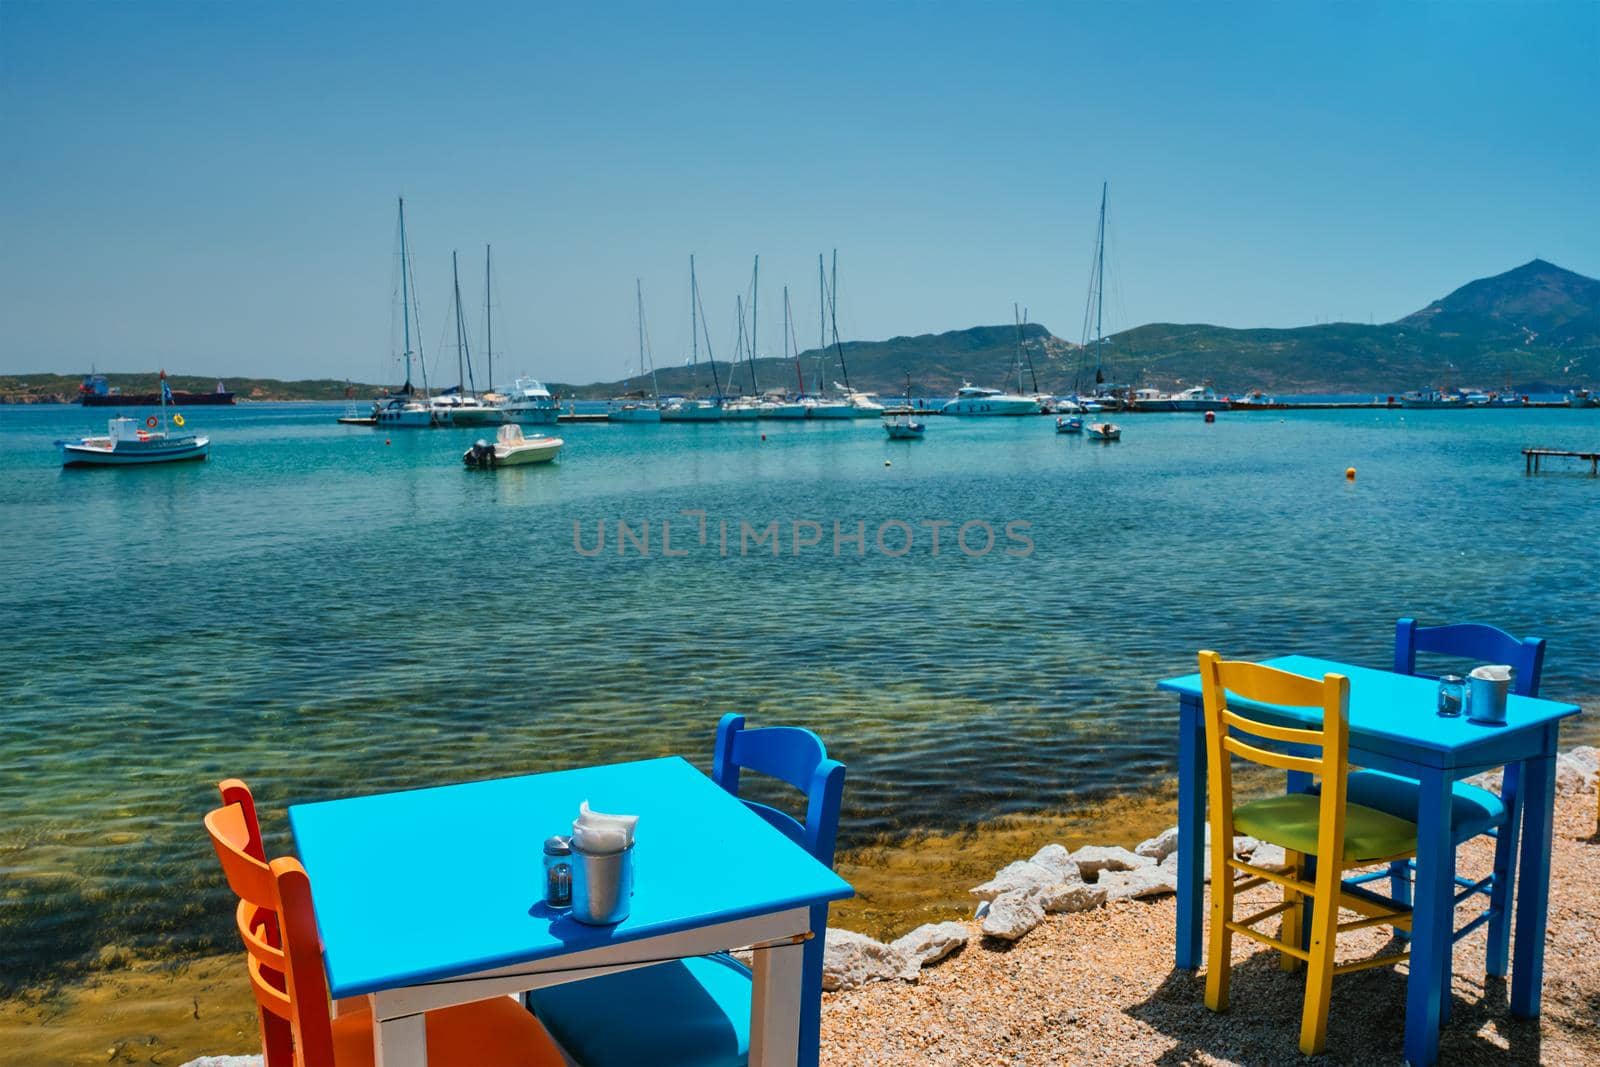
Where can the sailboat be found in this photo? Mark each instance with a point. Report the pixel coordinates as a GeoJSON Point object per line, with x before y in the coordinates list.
{"type": "Point", "coordinates": [820, 406]}
{"type": "Point", "coordinates": [1104, 397]}
{"type": "Point", "coordinates": [632, 411]}
{"type": "Point", "coordinates": [903, 427]}
{"type": "Point", "coordinates": [1045, 401]}
{"type": "Point", "coordinates": [127, 443]}
{"type": "Point", "coordinates": [463, 406]}
{"type": "Point", "coordinates": [746, 407]}
{"type": "Point", "coordinates": [784, 407]}
{"type": "Point", "coordinates": [692, 409]}
{"type": "Point", "coordinates": [404, 408]}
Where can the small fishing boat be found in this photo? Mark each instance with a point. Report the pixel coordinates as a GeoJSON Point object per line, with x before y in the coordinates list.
{"type": "Point", "coordinates": [511, 449]}
{"type": "Point", "coordinates": [904, 428]}
{"type": "Point", "coordinates": [126, 443]}
{"type": "Point", "coordinates": [1104, 431]}
{"type": "Point", "coordinates": [1069, 424]}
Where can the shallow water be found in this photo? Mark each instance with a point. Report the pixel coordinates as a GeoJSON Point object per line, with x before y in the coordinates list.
{"type": "Point", "coordinates": [324, 610]}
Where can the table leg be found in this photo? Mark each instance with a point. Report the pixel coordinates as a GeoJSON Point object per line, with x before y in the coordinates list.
{"type": "Point", "coordinates": [400, 1042]}
{"type": "Point", "coordinates": [1501, 895]}
{"type": "Point", "coordinates": [1538, 787]}
{"type": "Point", "coordinates": [1432, 915]}
{"type": "Point", "coordinates": [775, 1006]}
{"type": "Point", "coordinates": [1191, 832]}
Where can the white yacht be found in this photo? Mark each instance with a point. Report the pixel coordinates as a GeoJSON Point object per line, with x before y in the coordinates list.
{"type": "Point", "coordinates": [976, 400]}
{"type": "Point", "coordinates": [784, 409]}
{"type": "Point", "coordinates": [744, 407]}
{"type": "Point", "coordinates": [824, 408]}
{"type": "Point", "coordinates": [530, 404]}
{"type": "Point", "coordinates": [403, 411]}
{"type": "Point", "coordinates": [863, 405]}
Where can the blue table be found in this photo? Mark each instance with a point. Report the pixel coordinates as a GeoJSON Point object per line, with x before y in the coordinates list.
{"type": "Point", "coordinates": [1393, 727]}
{"type": "Point", "coordinates": [434, 897]}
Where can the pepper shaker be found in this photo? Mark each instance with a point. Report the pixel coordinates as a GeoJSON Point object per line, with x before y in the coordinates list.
{"type": "Point", "coordinates": [558, 871]}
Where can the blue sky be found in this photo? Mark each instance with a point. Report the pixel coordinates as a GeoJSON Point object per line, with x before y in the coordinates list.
{"type": "Point", "coordinates": [212, 187]}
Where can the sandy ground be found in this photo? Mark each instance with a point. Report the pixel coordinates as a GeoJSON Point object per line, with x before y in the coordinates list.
{"type": "Point", "coordinates": [1100, 987]}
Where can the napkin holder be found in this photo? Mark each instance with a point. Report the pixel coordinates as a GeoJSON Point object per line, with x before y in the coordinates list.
{"type": "Point", "coordinates": [1487, 690]}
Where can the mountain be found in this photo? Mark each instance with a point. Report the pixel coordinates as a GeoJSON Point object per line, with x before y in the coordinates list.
{"type": "Point", "coordinates": [1533, 327]}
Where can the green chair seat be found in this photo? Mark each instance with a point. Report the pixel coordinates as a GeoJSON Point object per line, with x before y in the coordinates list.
{"type": "Point", "coordinates": [1291, 822]}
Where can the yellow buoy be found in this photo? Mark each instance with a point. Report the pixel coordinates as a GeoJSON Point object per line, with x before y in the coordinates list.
{"type": "Point", "coordinates": [178, 419]}
{"type": "Point", "coordinates": [1349, 474]}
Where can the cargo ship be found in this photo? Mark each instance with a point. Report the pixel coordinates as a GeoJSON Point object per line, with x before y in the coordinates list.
{"type": "Point", "coordinates": [96, 393]}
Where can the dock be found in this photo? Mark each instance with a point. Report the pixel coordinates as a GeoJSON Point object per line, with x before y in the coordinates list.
{"type": "Point", "coordinates": [1532, 456]}
{"type": "Point", "coordinates": [573, 416]}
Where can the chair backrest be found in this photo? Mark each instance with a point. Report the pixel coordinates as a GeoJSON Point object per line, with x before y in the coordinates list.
{"type": "Point", "coordinates": [794, 755]}
{"type": "Point", "coordinates": [1475, 641]}
{"type": "Point", "coordinates": [1258, 684]}
{"type": "Point", "coordinates": [278, 926]}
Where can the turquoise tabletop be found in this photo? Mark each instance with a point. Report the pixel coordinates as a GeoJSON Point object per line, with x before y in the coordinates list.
{"type": "Point", "coordinates": [1400, 708]}
{"type": "Point", "coordinates": [425, 884]}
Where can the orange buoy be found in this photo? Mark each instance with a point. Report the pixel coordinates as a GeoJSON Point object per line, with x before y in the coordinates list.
{"type": "Point", "coordinates": [1349, 474]}
{"type": "Point", "coordinates": [385, 440]}
{"type": "Point", "coordinates": [151, 422]}
{"type": "Point", "coordinates": [1211, 416]}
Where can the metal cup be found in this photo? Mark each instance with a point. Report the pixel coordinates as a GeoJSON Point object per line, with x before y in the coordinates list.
{"type": "Point", "coordinates": [602, 886]}
{"type": "Point", "coordinates": [1486, 699]}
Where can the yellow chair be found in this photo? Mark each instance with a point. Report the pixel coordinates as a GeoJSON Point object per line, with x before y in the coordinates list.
{"type": "Point", "coordinates": [1326, 828]}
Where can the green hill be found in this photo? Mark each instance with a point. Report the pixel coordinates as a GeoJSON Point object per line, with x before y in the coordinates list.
{"type": "Point", "coordinates": [1535, 326]}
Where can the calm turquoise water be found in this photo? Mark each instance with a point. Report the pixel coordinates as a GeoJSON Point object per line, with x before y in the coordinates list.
{"type": "Point", "coordinates": [321, 611]}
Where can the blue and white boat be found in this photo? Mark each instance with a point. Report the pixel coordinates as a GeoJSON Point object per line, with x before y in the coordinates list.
{"type": "Point", "coordinates": [127, 443]}
{"type": "Point", "coordinates": [1069, 424]}
{"type": "Point", "coordinates": [975, 400]}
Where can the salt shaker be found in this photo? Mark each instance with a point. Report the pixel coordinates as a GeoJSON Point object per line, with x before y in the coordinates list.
{"type": "Point", "coordinates": [558, 871]}
{"type": "Point", "coordinates": [1452, 694]}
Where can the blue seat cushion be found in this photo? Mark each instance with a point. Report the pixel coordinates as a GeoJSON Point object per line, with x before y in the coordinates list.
{"type": "Point", "coordinates": [1473, 811]}
{"type": "Point", "coordinates": [688, 1013]}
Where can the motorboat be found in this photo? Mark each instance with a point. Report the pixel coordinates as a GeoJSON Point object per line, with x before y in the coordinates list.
{"type": "Point", "coordinates": [1068, 406]}
{"type": "Point", "coordinates": [862, 405]}
{"type": "Point", "coordinates": [530, 404]}
{"type": "Point", "coordinates": [511, 449]}
{"type": "Point", "coordinates": [1432, 398]}
{"type": "Point", "coordinates": [1199, 398]}
{"type": "Point", "coordinates": [127, 443]}
{"type": "Point", "coordinates": [976, 400]}
{"type": "Point", "coordinates": [1069, 424]}
{"type": "Point", "coordinates": [1103, 431]}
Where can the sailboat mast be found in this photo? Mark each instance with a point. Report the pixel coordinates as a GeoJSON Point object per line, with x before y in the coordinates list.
{"type": "Point", "coordinates": [655, 386]}
{"type": "Point", "coordinates": [461, 359]}
{"type": "Point", "coordinates": [1031, 372]}
{"type": "Point", "coordinates": [1100, 290]}
{"type": "Point", "coordinates": [694, 320]}
{"type": "Point", "coordinates": [700, 314]}
{"type": "Point", "coordinates": [822, 324]}
{"type": "Point", "coordinates": [405, 294]}
{"type": "Point", "coordinates": [738, 314]}
{"type": "Point", "coordinates": [755, 300]}
{"type": "Point", "coordinates": [488, 318]}
{"type": "Point", "coordinates": [1016, 317]}
{"type": "Point", "coordinates": [788, 332]}
{"type": "Point", "coordinates": [833, 308]}
{"type": "Point", "coordinates": [163, 402]}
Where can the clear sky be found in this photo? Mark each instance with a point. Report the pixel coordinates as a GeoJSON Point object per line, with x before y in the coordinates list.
{"type": "Point", "coordinates": [211, 187]}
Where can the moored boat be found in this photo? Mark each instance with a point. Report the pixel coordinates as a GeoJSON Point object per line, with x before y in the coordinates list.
{"type": "Point", "coordinates": [976, 400]}
{"type": "Point", "coordinates": [127, 443]}
{"type": "Point", "coordinates": [1103, 431]}
{"type": "Point", "coordinates": [530, 404]}
{"type": "Point", "coordinates": [95, 392]}
{"type": "Point", "coordinates": [511, 449]}
{"type": "Point", "coordinates": [1069, 424]}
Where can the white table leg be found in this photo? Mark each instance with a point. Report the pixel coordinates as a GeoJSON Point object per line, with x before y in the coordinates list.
{"type": "Point", "coordinates": [774, 1006]}
{"type": "Point", "coordinates": [400, 1042]}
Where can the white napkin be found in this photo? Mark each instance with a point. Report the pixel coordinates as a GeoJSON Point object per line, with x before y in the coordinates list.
{"type": "Point", "coordinates": [599, 834]}
{"type": "Point", "coordinates": [1493, 672]}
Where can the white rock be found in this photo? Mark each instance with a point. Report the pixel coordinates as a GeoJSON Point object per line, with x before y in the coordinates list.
{"type": "Point", "coordinates": [1142, 882]}
{"type": "Point", "coordinates": [932, 942]}
{"type": "Point", "coordinates": [1093, 859]}
{"type": "Point", "coordinates": [1267, 854]}
{"type": "Point", "coordinates": [1587, 759]}
{"type": "Point", "coordinates": [850, 959]}
{"type": "Point", "coordinates": [1022, 875]}
{"type": "Point", "coordinates": [1072, 896]}
{"type": "Point", "coordinates": [1011, 915]}
{"type": "Point", "coordinates": [1058, 859]}
{"type": "Point", "coordinates": [1571, 778]}
{"type": "Point", "coordinates": [1160, 846]}
{"type": "Point", "coordinates": [1244, 845]}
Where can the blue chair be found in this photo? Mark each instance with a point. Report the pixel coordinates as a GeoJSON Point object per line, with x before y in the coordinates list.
{"type": "Point", "coordinates": [696, 1012]}
{"type": "Point", "coordinates": [1474, 811]}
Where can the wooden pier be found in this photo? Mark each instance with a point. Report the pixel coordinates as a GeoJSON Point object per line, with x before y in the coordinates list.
{"type": "Point", "coordinates": [1532, 456]}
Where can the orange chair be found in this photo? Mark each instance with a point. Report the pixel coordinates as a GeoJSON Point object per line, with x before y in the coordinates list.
{"type": "Point", "coordinates": [279, 928]}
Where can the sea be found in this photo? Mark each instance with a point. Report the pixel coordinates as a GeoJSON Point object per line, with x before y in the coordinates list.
{"type": "Point", "coordinates": [974, 623]}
